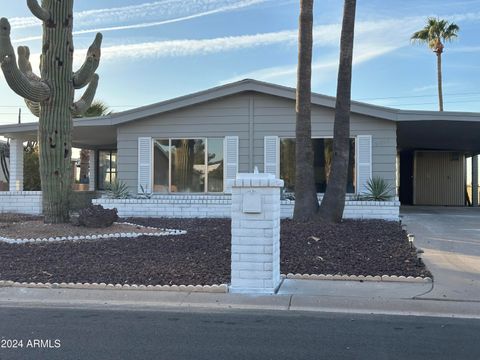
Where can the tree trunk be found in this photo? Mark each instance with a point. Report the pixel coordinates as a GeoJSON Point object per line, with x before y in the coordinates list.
{"type": "Point", "coordinates": [306, 203]}
{"type": "Point", "coordinates": [439, 77]}
{"type": "Point", "coordinates": [333, 203]}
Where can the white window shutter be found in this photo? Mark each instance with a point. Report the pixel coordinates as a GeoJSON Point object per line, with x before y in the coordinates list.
{"type": "Point", "coordinates": [231, 161]}
{"type": "Point", "coordinates": [145, 151]}
{"type": "Point", "coordinates": [271, 155]}
{"type": "Point", "coordinates": [364, 162]}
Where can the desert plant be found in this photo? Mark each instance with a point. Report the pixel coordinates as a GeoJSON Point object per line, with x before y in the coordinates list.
{"type": "Point", "coordinates": [50, 96]}
{"type": "Point", "coordinates": [377, 190]}
{"type": "Point", "coordinates": [118, 190]}
{"type": "Point", "coordinates": [144, 194]}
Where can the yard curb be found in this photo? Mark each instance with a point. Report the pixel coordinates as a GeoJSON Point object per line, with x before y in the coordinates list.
{"type": "Point", "coordinates": [222, 288]}
{"type": "Point", "coordinates": [377, 278]}
{"type": "Point", "coordinates": [162, 232]}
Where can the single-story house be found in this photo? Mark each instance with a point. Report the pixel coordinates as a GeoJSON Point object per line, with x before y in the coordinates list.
{"type": "Point", "coordinates": [4, 165]}
{"type": "Point", "coordinates": [183, 151]}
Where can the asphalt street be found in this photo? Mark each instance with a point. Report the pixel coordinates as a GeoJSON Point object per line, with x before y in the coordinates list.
{"type": "Point", "coordinates": [107, 334]}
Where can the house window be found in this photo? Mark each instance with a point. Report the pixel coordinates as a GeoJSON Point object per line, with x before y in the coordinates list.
{"type": "Point", "coordinates": [322, 160]}
{"type": "Point", "coordinates": [107, 168]}
{"type": "Point", "coordinates": [188, 165]}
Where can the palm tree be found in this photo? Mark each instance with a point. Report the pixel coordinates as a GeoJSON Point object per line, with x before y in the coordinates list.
{"type": "Point", "coordinates": [435, 33]}
{"type": "Point", "coordinates": [306, 203]}
{"type": "Point", "coordinates": [333, 203]}
{"type": "Point", "coordinates": [98, 108]}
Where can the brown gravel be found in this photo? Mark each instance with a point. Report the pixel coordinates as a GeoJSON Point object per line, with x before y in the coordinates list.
{"type": "Point", "coordinates": [202, 256]}
{"type": "Point", "coordinates": [36, 229]}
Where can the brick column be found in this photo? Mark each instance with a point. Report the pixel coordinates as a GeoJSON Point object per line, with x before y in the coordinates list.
{"type": "Point", "coordinates": [255, 233]}
{"type": "Point", "coordinates": [92, 175]}
{"type": "Point", "coordinates": [475, 180]}
{"type": "Point", "coordinates": [16, 165]}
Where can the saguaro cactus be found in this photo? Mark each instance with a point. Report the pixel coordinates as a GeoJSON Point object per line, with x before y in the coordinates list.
{"type": "Point", "coordinates": [51, 95]}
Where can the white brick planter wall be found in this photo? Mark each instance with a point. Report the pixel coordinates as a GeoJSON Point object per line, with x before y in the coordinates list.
{"type": "Point", "coordinates": [219, 206]}
{"type": "Point", "coordinates": [24, 202]}
{"type": "Point", "coordinates": [385, 210]}
{"type": "Point", "coordinates": [174, 206]}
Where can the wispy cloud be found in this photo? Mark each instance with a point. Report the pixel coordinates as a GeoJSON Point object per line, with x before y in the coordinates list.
{"type": "Point", "coordinates": [164, 12]}
{"type": "Point", "coordinates": [286, 74]}
{"type": "Point", "coordinates": [430, 87]}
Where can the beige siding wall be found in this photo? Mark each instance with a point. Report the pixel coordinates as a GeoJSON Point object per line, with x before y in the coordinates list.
{"type": "Point", "coordinates": [439, 178]}
{"type": "Point", "coordinates": [250, 116]}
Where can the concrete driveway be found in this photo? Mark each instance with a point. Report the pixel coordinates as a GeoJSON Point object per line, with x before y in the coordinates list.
{"type": "Point", "coordinates": [450, 237]}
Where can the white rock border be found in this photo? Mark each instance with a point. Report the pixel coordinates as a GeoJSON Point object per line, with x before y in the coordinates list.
{"type": "Point", "coordinates": [222, 288]}
{"type": "Point", "coordinates": [162, 232]}
{"type": "Point", "coordinates": [377, 278]}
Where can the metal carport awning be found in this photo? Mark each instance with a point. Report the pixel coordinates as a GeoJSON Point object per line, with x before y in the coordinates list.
{"type": "Point", "coordinates": [463, 136]}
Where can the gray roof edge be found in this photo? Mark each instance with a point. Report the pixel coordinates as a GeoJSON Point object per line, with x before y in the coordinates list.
{"type": "Point", "coordinates": [244, 86]}
{"type": "Point", "coordinates": [418, 115]}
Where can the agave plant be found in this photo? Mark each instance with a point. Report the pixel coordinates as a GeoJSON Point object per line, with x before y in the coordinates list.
{"type": "Point", "coordinates": [377, 190]}
{"type": "Point", "coordinates": [118, 190]}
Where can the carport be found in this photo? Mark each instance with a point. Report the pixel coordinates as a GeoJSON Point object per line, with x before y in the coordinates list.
{"type": "Point", "coordinates": [432, 152]}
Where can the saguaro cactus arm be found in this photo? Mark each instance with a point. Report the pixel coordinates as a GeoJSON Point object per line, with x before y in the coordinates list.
{"type": "Point", "coordinates": [33, 90]}
{"type": "Point", "coordinates": [26, 68]}
{"type": "Point", "coordinates": [24, 63]}
{"type": "Point", "coordinates": [82, 105]}
{"type": "Point", "coordinates": [84, 75]}
{"type": "Point", "coordinates": [37, 10]}
{"type": "Point", "coordinates": [34, 107]}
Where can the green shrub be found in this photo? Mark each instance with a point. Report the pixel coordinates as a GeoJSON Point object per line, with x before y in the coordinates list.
{"type": "Point", "coordinates": [118, 190]}
{"type": "Point", "coordinates": [377, 190]}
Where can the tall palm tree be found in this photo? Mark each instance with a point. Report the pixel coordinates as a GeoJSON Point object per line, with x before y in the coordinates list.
{"type": "Point", "coordinates": [435, 33]}
{"type": "Point", "coordinates": [98, 108]}
{"type": "Point", "coordinates": [306, 203]}
{"type": "Point", "coordinates": [333, 203]}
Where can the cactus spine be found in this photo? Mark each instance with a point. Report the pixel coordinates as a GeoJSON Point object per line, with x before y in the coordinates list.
{"type": "Point", "coordinates": [51, 96]}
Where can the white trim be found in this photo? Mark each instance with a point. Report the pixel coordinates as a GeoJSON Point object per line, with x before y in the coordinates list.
{"type": "Point", "coordinates": [145, 141]}
{"type": "Point", "coordinates": [360, 187]}
{"type": "Point", "coordinates": [266, 141]}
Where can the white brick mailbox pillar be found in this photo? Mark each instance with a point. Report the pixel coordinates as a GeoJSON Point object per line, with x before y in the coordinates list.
{"type": "Point", "coordinates": [255, 233]}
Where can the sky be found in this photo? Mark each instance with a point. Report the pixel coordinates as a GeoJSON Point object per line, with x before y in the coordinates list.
{"type": "Point", "coordinates": [158, 50]}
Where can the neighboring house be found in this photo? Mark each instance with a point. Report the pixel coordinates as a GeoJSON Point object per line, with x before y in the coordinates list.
{"type": "Point", "coordinates": [193, 144]}
{"type": "Point", "coordinates": [3, 180]}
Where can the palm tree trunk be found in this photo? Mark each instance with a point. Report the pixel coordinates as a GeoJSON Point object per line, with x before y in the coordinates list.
{"type": "Point", "coordinates": [306, 203]}
{"type": "Point", "coordinates": [333, 202]}
{"type": "Point", "coordinates": [439, 76]}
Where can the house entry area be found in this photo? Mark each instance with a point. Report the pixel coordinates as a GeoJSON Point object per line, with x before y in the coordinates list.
{"type": "Point", "coordinates": [437, 162]}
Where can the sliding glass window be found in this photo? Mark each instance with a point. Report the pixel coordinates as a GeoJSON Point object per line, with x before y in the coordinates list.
{"type": "Point", "coordinates": [322, 162]}
{"type": "Point", "coordinates": [188, 165]}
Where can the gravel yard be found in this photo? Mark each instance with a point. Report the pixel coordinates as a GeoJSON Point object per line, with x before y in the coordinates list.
{"type": "Point", "coordinates": [202, 256]}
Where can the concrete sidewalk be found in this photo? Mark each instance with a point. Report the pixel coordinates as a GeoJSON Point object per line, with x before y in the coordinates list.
{"type": "Point", "coordinates": [294, 295]}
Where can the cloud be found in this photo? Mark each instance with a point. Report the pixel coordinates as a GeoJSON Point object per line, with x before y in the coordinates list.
{"type": "Point", "coordinates": [287, 74]}
{"type": "Point", "coordinates": [165, 12]}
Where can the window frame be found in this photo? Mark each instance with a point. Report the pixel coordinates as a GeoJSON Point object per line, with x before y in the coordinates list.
{"type": "Point", "coordinates": [325, 137]}
{"type": "Point", "coordinates": [97, 167]}
{"type": "Point", "coordinates": [205, 187]}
